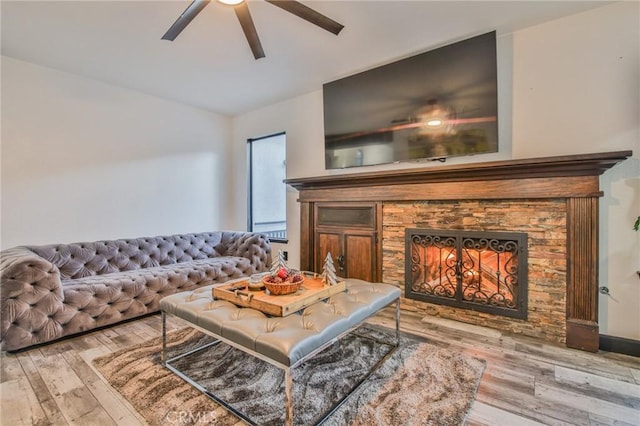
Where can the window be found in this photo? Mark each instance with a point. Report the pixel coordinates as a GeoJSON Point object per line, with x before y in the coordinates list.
{"type": "Point", "coordinates": [267, 204]}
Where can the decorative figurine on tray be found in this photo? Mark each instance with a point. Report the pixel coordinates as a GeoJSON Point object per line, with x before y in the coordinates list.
{"type": "Point", "coordinates": [329, 276]}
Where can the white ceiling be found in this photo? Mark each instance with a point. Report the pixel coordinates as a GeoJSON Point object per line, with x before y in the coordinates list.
{"type": "Point", "coordinates": [210, 64]}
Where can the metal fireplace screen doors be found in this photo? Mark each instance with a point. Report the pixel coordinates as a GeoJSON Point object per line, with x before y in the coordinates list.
{"type": "Point", "coordinates": [482, 271]}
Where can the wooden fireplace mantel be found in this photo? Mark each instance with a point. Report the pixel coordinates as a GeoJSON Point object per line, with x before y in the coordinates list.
{"type": "Point", "coordinates": [573, 178]}
{"type": "Point", "coordinates": [547, 167]}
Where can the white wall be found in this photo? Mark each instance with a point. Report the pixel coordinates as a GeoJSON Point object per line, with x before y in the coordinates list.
{"type": "Point", "coordinates": [83, 160]}
{"type": "Point", "coordinates": [577, 90]}
{"type": "Point", "coordinates": [299, 118]}
{"type": "Point", "coordinates": [553, 78]}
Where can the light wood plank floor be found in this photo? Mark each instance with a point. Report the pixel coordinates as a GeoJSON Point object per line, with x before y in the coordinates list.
{"type": "Point", "coordinates": [526, 381]}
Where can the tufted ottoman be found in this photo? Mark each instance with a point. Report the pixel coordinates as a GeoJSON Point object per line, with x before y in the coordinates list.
{"type": "Point", "coordinates": [285, 342]}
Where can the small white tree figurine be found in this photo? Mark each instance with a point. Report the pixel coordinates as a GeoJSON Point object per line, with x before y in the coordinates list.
{"type": "Point", "coordinates": [329, 271]}
{"type": "Point", "coordinates": [279, 263]}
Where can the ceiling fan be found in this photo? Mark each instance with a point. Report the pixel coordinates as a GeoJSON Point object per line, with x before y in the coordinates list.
{"type": "Point", "coordinates": [246, 22]}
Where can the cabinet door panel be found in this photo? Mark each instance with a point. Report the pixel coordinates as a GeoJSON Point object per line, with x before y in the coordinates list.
{"type": "Point", "coordinates": [346, 216]}
{"type": "Point", "coordinates": [328, 242]}
{"type": "Point", "coordinates": [360, 256]}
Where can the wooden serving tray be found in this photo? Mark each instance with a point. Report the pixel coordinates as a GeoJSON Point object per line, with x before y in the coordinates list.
{"type": "Point", "coordinates": [311, 291]}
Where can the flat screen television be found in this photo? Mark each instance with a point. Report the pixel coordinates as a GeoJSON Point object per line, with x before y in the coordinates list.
{"type": "Point", "coordinates": [434, 105]}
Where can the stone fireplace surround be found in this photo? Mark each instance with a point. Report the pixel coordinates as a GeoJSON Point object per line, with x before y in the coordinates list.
{"type": "Point", "coordinates": [554, 200]}
{"type": "Point", "coordinates": [544, 221]}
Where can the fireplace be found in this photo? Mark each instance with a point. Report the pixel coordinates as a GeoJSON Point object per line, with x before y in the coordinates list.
{"type": "Point", "coordinates": [481, 271]}
{"type": "Point", "coordinates": [553, 200]}
{"type": "Point", "coordinates": [540, 309]}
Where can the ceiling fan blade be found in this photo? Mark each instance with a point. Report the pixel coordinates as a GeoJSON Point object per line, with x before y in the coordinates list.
{"type": "Point", "coordinates": [246, 22]}
{"type": "Point", "coordinates": [305, 12]}
{"type": "Point", "coordinates": [184, 19]}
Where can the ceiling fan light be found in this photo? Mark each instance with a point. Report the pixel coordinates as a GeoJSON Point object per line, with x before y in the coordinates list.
{"type": "Point", "coordinates": [231, 2]}
{"type": "Point", "coordinates": [434, 122]}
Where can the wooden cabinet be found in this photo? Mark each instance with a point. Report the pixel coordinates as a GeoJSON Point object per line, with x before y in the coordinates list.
{"type": "Point", "coordinates": [351, 233]}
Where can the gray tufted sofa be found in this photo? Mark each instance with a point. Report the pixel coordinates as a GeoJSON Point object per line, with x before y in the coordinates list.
{"type": "Point", "coordinates": [48, 292]}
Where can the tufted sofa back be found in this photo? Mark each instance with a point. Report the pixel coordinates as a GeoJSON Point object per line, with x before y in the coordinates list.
{"type": "Point", "coordinates": [77, 260]}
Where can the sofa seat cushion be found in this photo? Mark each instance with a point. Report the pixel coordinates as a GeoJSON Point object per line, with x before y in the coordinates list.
{"type": "Point", "coordinates": [221, 269]}
{"type": "Point", "coordinates": [98, 300]}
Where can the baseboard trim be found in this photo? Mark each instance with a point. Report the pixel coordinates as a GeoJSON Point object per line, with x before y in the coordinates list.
{"type": "Point", "coordinates": [620, 345]}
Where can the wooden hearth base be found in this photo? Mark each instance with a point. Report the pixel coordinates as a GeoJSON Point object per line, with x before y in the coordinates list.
{"type": "Point", "coordinates": [583, 335]}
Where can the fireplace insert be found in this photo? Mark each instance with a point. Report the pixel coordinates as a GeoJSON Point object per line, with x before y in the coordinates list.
{"type": "Point", "coordinates": [481, 271]}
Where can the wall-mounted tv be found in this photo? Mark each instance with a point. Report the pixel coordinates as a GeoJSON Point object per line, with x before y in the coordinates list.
{"type": "Point", "coordinates": [438, 104]}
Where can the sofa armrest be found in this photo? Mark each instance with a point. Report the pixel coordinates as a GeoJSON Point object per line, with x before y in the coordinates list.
{"type": "Point", "coordinates": [29, 284]}
{"type": "Point", "coordinates": [253, 246]}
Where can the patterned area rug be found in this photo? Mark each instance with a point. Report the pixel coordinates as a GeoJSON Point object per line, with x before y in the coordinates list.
{"type": "Point", "coordinates": [419, 384]}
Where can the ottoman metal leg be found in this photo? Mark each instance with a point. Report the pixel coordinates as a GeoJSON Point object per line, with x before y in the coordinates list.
{"type": "Point", "coordinates": [288, 390]}
{"type": "Point", "coordinates": [397, 322]}
{"type": "Point", "coordinates": [163, 356]}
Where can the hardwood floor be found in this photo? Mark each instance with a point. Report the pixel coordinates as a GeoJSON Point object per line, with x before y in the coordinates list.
{"type": "Point", "coordinates": [526, 381]}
